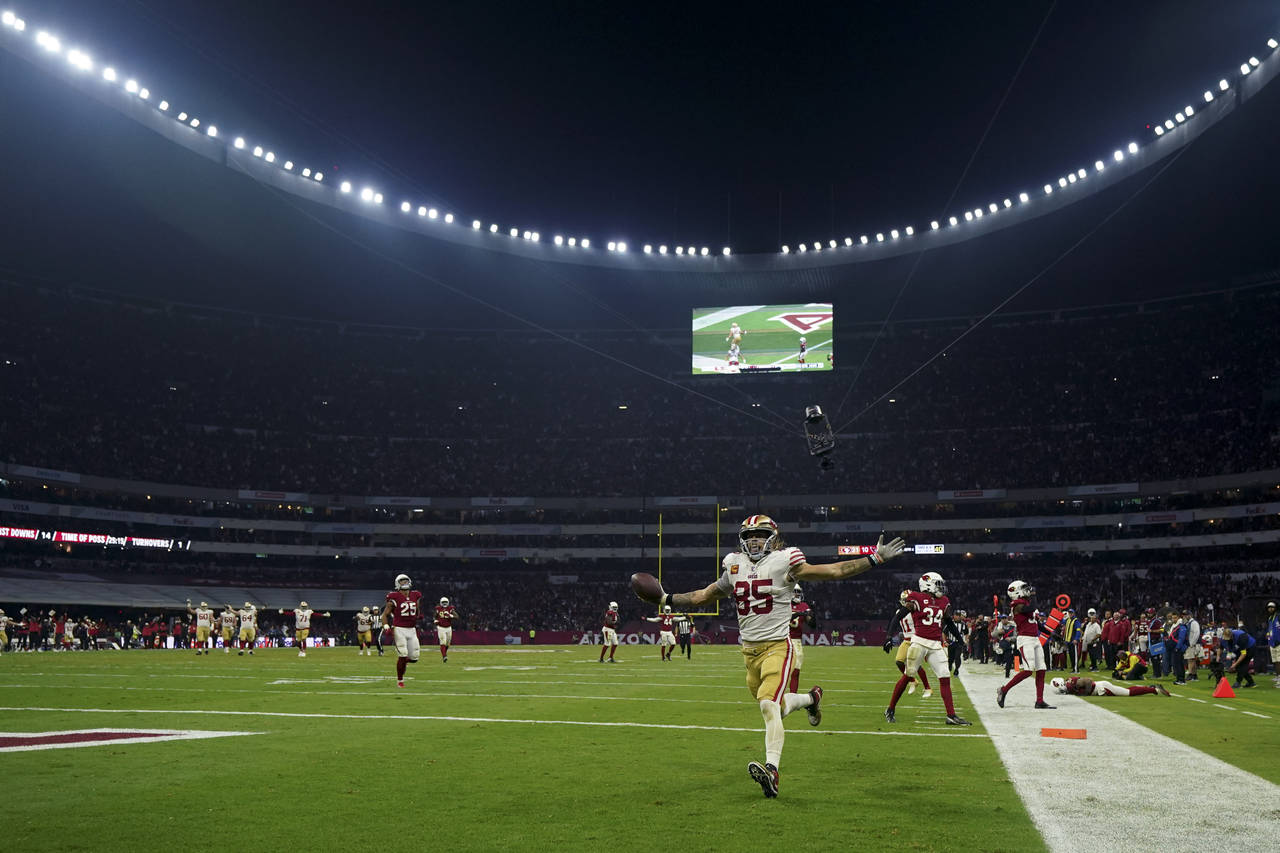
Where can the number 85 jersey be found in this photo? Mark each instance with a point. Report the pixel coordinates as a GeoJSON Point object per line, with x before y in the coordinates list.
{"type": "Point", "coordinates": [762, 592]}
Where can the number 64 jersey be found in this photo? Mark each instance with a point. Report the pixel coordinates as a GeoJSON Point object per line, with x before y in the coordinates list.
{"type": "Point", "coordinates": [762, 592]}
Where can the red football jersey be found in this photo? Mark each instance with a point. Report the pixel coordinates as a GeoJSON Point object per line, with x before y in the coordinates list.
{"type": "Point", "coordinates": [405, 606]}
{"type": "Point", "coordinates": [667, 622]}
{"type": "Point", "coordinates": [926, 614]}
{"type": "Point", "coordinates": [446, 615]}
{"type": "Point", "coordinates": [1026, 622]}
{"type": "Point", "coordinates": [799, 615]}
{"type": "Point", "coordinates": [611, 619]}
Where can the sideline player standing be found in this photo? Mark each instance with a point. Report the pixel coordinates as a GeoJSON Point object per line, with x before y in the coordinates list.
{"type": "Point", "coordinates": [666, 632]}
{"type": "Point", "coordinates": [445, 614]}
{"type": "Point", "coordinates": [364, 630]}
{"type": "Point", "coordinates": [930, 614]}
{"type": "Point", "coordinates": [204, 625]}
{"type": "Point", "coordinates": [761, 578]}
{"type": "Point", "coordinates": [1029, 647]}
{"type": "Point", "coordinates": [302, 626]}
{"type": "Point", "coordinates": [401, 613]}
{"type": "Point", "coordinates": [609, 632]}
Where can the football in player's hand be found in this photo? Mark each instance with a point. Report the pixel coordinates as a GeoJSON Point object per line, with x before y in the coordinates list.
{"type": "Point", "coordinates": [646, 587]}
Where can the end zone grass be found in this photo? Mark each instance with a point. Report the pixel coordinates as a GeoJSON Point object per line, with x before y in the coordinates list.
{"type": "Point", "coordinates": [500, 748]}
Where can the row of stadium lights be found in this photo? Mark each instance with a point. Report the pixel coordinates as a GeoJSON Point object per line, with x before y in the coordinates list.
{"type": "Point", "coordinates": [83, 62]}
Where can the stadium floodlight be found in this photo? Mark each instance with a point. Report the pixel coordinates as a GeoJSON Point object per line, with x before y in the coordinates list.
{"type": "Point", "coordinates": [422, 210]}
{"type": "Point", "coordinates": [515, 232]}
{"type": "Point", "coordinates": [377, 198]}
{"type": "Point", "coordinates": [1048, 189]}
{"type": "Point", "coordinates": [212, 131]}
{"type": "Point", "coordinates": [1062, 182]}
{"type": "Point", "coordinates": [691, 251]}
{"type": "Point", "coordinates": [1081, 174]}
{"type": "Point", "coordinates": [1244, 68]}
{"type": "Point", "coordinates": [786, 250]}
{"type": "Point", "coordinates": [448, 217]}
{"type": "Point", "coordinates": [526, 235]}
{"type": "Point", "coordinates": [832, 243]}
{"type": "Point", "coordinates": [1118, 156]}
{"type": "Point", "coordinates": [319, 176]}
{"type": "Point", "coordinates": [109, 74]}
{"type": "Point", "coordinates": [705, 251]}
{"type": "Point", "coordinates": [7, 18]}
{"type": "Point", "coordinates": [612, 246]}
{"type": "Point", "coordinates": [366, 194]}
{"type": "Point", "coordinates": [1168, 124]}
{"type": "Point", "coordinates": [270, 156]}
{"type": "Point", "coordinates": [79, 59]}
{"type": "Point", "coordinates": [493, 229]}
{"type": "Point", "coordinates": [559, 240]}
{"type": "Point", "coordinates": [992, 207]}
{"type": "Point", "coordinates": [405, 207]}
{"type": "Point", "coordinates": [48, 42]}
{"type": "Point", "coordinates": [1273, 44]}
{"type": "Point", "coordinates": [536, 237]}
{"type": "Point", "coordinates": [909, 230]}
{"type": "Point", "coordinates": [288, 165]}
{"type": "Point", "coordinates": [164, 106]}
{"type": "Point", "coordinates": [195, 122]}
{"type": "Point", "coordinates": [1208, 96]}
{"type": "Point", "coordinates": [131, 86]}
{"type": "Point", "coordinates": [622, 246]}
{"type": "Point", "coordinates": [1098, 165]}
{"type": "Point", "coordinates": [306, 172]}
{"type": "Point", "coordinates": [1180, 117]}
{"type": "Point", "coordinates": [662, 250]}
{"type": "Point", "coordinates": [1223, 85]}
{"type": "Point", "coordinates": [432, 213]}
{"type": "Point", "coordinates": [934, 225]}
{"type": "Point", "coordinates": [968, 216]}
{"type": "Point", "coordinates": [863, 240]}
{"type": "Point", "coordinates": [648, 249]}
{"type": "Point", "coordinates": [1253, 60]}
{"type": "Point", "coordinates": [182, 116]}
{"type": "Point", "coordinates": [257, 151]}
{"type": "Point", "coordinates": [1071, 179]}
{"type": "Point", "coordinates": [475, 224]}
{"type": "Point", "coordinates": [848, 241]}
{"type": "Point", "coordinates": [893, 233]}
{"type": "Point", "coordinates": [144, 93]}
{"type": "Point", "coordinates": [817, 247]}
{"type": "Point", "coordinates": [680, 249]}
{"type": "Point", "coordinates": [1159, 130]}
{"type": "Point", "coordinates": [345, 186]}
{"type": "Point", "coordinates": [573, 241]}
{"type": "Point", "coordinates": [1008, 202]}
{"type": "Point", "coordinates": [585, 243]}
{"type": "Point", "coordinates": [1023, 198]}
{"type": "Point", "coordinates": [239, 143]}
{"type": "Point", "coordinates": [19, 24]}
{"type": "Point", "coordinates": [1189, 111]}
{"type": "Point", "coordinates": [977, 213]}
{"type": "Point", "coordinates": [879, 238]}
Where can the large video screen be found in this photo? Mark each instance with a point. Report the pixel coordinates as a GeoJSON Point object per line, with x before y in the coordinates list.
{"type": "Point", "coordinates": [763, 339]}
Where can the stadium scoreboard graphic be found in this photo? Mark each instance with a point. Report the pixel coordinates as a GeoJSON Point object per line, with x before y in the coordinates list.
{"type": "Point", "coordinates": [763, 339]}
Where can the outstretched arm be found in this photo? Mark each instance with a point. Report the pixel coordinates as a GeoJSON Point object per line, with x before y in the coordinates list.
{"type": "Point", "coordinates": [697, 598]}
{"type": "Point", "coordinates": [849, 568]}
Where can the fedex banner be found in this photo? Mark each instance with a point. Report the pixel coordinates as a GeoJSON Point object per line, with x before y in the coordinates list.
{"type": "Point", "coordinates": [970, 494]}
{"type": "Point", "coordinates": [1104, 489]}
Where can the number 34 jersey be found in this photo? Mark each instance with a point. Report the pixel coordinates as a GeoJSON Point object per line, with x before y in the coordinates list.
{"type": "Point", "coordinates": [762, 592]}
{"type": "Point", "coordinates": [925, 618]}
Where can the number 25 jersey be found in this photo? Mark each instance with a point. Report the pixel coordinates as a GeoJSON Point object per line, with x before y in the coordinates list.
{"type": "Point", "coordinates": [405, 607]}
{"type": "Point", "coordinates": [762, 592]}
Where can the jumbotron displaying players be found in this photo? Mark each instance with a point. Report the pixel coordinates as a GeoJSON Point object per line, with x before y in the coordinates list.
{"type": "Point", "coordinates": [1028, 640]}
{"type": "Point", "coordinates": [445, 614]}
{"type": "Point", "coordinates": [301, 625]}
{"type": "Point", "coordinates": [1081, 686]}
{"type": "Point", "coordinates": [930, 613]}
{"type": "Point", "coordinates": [401, 612]}
{"type": "Point", "coordinates": [666, 632]}
{"type": "Point", "coordinates": [609, 632]}
{"type": "Point", "coordinates": [760, 577]}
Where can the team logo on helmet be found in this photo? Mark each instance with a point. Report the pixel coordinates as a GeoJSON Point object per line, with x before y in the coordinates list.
{"type": "Point", "coordinates": [364, 609]}
{"type": "Point", "coordinates": [932, 583]}
{"type": "Point", "coordinates": [757, 536]}
{"type": "Point", "coordinates": [1021, 589]}
{"type": "Point", "coordinates": [1059, 684]}
{"type": "Point", "coordinates": [444, 602]}
{"type": "Point", "coordinates": [403, 582]}
{"type": "Point", "coordinates": [302, 605]}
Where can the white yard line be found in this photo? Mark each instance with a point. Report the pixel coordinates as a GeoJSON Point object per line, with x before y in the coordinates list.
{"type": "Point", "coordinates": [724, 314]}
{"type": "Point", "coordinates": [1069, 786]}
{"type": "Point", "coordinates": [796, 354]}
{"type": "Point", "coordinates": [424, 717]}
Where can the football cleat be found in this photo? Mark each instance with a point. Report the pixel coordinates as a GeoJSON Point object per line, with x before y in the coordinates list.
{"type": "Point", "coordinates": [814, 710]}
{"type": "Point", "coordinates": [1161, 689]}
{"type": "Point", "coordinates": [399, 684]}
{"type": "Point", "coordinates": [928, 691]}
{"type": "Point", "coordinates": [1045, 705]}
{"type": "Point", "coordinates": [1000, 697]}
{"type": "Point", "coordinates": [888, 716]}
{"type": "Point", "coordinates": [766, 775]}
{"type": "Point", "coordinates": [911, 687]}
{"type": "Point", "coordinates": [954, 720]}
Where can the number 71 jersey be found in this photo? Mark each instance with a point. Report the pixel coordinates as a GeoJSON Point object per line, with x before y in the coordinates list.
{"type": "Point", "coordinates": [762, 592]}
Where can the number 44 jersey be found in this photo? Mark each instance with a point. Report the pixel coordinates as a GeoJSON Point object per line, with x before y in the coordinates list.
{"type": "Point", "coordinates": [762, 592]}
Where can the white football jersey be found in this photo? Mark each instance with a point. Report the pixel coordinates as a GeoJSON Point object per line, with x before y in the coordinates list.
{"type": "Point", "coordinates": [248, 618]}
{"type": "Point", "coordinates": [364, 621]}
{"type": "Point", "coordinates": [762, 592]}
{"type": "Point", "coordinates": [204, 617]}
{"type": "Point", "coordinates": [302, 618]}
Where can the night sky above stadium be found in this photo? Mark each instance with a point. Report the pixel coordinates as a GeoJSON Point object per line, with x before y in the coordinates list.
{"type": "Point", "coordinates": [691, 123]}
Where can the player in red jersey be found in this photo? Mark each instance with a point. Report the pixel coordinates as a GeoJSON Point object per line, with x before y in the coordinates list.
{"type": "Point", "coordinates": [445, 614]}
{"type": "Point", "coordinates": [1029, 647]}
{"type": "Point", "coordinates": [610, 632]}
{"type": "Point", "coordinates": [401, 612]}
{"type": "Point", "coordinates": [930, 613]}
{"type": "Point", "coordinates": [903, 624]}
{"type": "Point", "coordinates": [802, 617]}
{"type": "Point", "coordinates": [666, 632]}
{"type": "Point", "coordinates": [1080, 686]}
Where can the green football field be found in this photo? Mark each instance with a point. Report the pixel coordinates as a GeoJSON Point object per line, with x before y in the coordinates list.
{"type": "Point", "coordinates": [521, 748]}
{"type": "Point", "coordinates": [770, 336]}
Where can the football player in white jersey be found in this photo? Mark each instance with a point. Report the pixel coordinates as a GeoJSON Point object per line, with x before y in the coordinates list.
{"type": "Point", "coordinates": [204, 625]}
{"type": "Point", "coordinates": [301, 625]}
{"type": "Point", "coordinates": [761, 578]}
{"type": "Point", "coordinates": [248, 627]}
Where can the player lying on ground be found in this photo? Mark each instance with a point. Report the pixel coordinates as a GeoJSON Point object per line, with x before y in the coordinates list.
{"type": "Point", "coordinates": [1081, 686]}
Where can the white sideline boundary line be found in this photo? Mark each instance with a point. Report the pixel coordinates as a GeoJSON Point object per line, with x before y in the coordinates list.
{"type": "Point", "coordinates": [452, 719]}
{"type": "Point", "coordinates": [1070, 785]}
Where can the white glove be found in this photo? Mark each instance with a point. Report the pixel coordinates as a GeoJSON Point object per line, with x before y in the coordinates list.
{"type": "Point", "coordinates": [884, 553]}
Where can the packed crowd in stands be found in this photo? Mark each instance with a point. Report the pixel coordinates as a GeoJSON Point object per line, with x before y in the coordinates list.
{"type": "Point", "coordinates": [1178, 390]}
